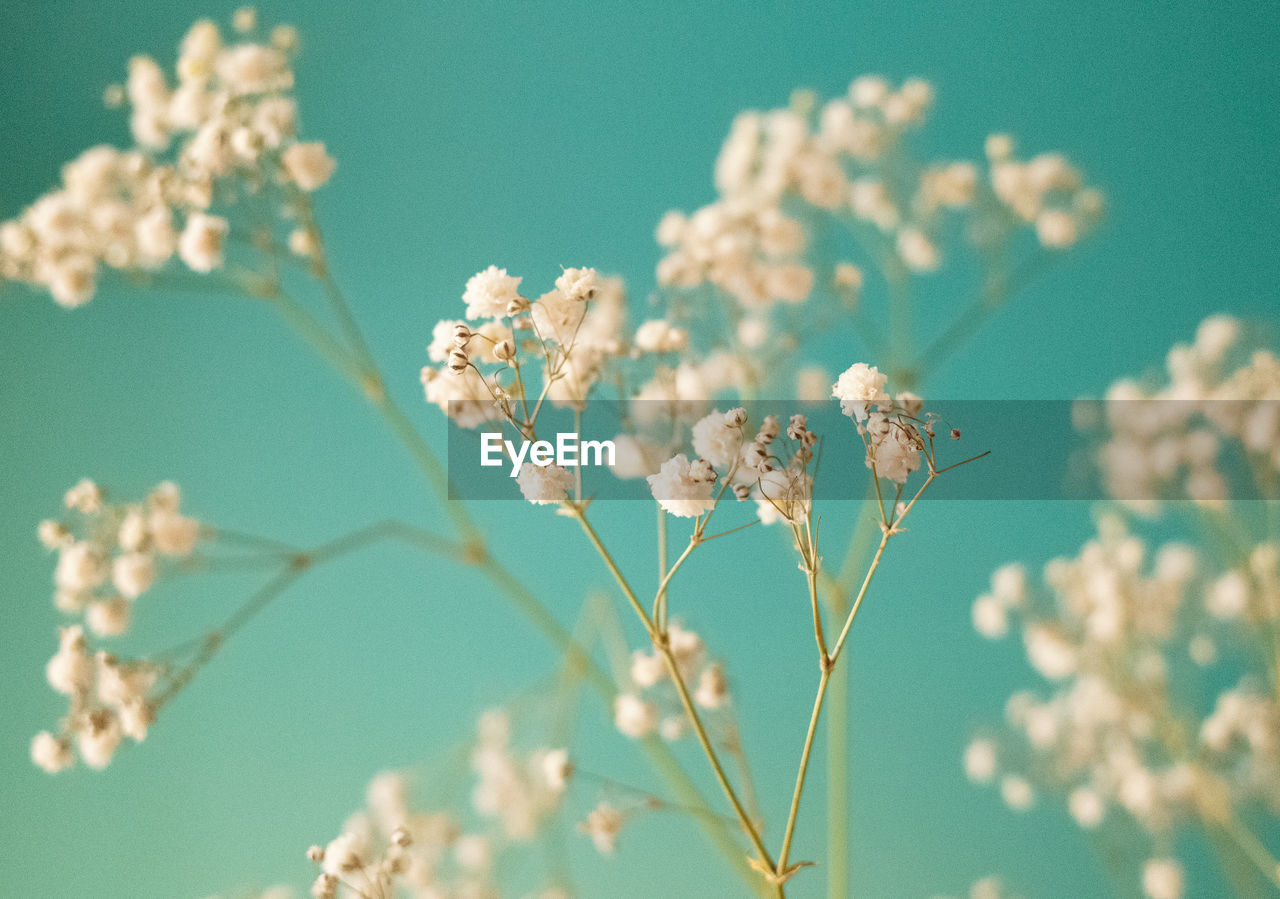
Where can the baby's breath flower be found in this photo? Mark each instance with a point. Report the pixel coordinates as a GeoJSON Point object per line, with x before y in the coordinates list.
{"type": "Point", "coordinates": [308, 165]}
{"type": "Point", "coordinates": [659, 336]}
{"type": "Point", "coordinates": [1017, 792]}
{"type": "Point", "coordinates": [578, 285]}
{"type": "Point", "coordinates": [980, 761]}
{"type": "Point", "coordinates": [544, 484]}
{"type": "Point", "coordinates": [718, 437]}
{"type": "Point", "coordinates": [200, 245]}
{"type": "Point", "coordinates": [684, 488]}
{"type": "Point", "coordinates": [1162, 878]}
{"type": "Point", "coordinates": [51, 754]}
{"type": "Point", "coordinates": [489, 292]}
{"type": "Point", "coordinates": [603, 825]}
{"type": "Point", "coordinates": [633, 716]}
{"type": "Point", "coordinates": [859, 387]}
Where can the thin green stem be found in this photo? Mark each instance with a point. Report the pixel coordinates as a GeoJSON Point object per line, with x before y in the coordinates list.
{"type": "Point", "coordinates": [744, 818]}
{"type": "Point", "coordinates": [803, 771]}
{"type": "Point", "coordinates": [673, 671]}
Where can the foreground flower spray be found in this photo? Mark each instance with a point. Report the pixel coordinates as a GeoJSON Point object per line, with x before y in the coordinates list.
{"type": "Point", "coordinates": [824, 215]}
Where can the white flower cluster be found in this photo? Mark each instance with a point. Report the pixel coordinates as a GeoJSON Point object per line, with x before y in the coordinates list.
{"type": "Point", "coordinates": [568, 334]}
{"type": "Point", "coordinates": [652, 707]}
{"type": "Point", "coordinates": [895, 434]}
{"type": "Point", "coordinates": [846, 160]}
{"type": "Point", "coordinates": [1120, 636]}
{"type": "Point", "coordinates": [108, 554]}
{"type": "Point", "coordinates": [782, 488]}
{"type": "Point", "coordinates": [107, 557]}
{"type": "Point", "coordinates": [517, 792]}
{"type": "Point", "coordinates": [392, 849]}
{"type": "Point", "coordinates": [1176, 440]}
{"type": "Point", "coordinates": [226, 128]}
{"type": "Point", "coordinates": [108, 701]}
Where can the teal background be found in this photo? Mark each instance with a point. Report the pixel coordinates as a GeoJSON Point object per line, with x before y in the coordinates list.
{"type": "Point", "coordinates": [538, 135]}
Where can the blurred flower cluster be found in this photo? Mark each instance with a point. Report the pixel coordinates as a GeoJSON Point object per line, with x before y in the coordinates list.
{"type": "Point", "coordinates": [206, 145]}
{"type": "Point", "coordinates": [107, 557]}
{"type": "Point", "coordinates": [392, 848]}
{"type": "Point", "coordinates": [1219, 407]}
{"type": "Point", "coordinates": [1163, 662]}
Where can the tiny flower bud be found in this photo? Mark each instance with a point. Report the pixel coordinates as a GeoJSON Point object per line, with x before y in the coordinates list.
{"type": "Point", "coordinates": [316, 854]}
{"type": "Point", "coordinates": [742, 492]}
{"type": "Point", "coordinates": [955, 433]}
{"type": "Point", "coordinates": [504, 350]}
{"type": "Point", "coordinates": [458, 361]}
{"type": "Point", "coordinates": [461, 336]}
{"type": "Point", "coordinates": [769, 429]}
{"type": "Point", "coordinates": [518, 306]}
{"type": "Point", "coordinates": [735, 418]}
{"type": "Point", "coordinates": [755, 455]}
{"type": "Point", "coordinates": [798, 427]}
{"type": "Point", "coordinates": [909, 403]}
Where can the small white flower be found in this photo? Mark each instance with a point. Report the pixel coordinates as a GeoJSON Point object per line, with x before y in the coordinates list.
{"type": "Point", "coordinates": [578, 285]}
{"type": "Point", "coordinates": [659, 336]}
{"type": "Point", "coordinates": [603, 825]}
{"type": "Point", "coordinates": [990, 618]}
{"type": "Point", "coordinates": [81, 566]}
{"type": "Point", "coordinates": [633, 716]}
{"type": "Point", "coordinates": [556, 769]}
{"type": "Point", "coordinates": [1086, 807]}
{"type": "Point", "coordinates": [647, 669]}
{"type": "Point", "coordinates": [1050, 652]}
{"type": "Point", "coordinates": [717, 439]}
{"type": "Point", "coordinates": [859, 387]}
{"type": "Point", "coordinates": [713, 688]}
{"type": "Point", "coordinates": [200, 245]}
{"type": "Point", "coordinates": [544, 484]}
{"type": "Point", "coordinates": [980, 761]}
{"type": "Point", "coordinates": [51, 754]}
{"type": "Point", "coordinates": [133, 573]}
{"type": "Point", "coordinates": [684, 488]}
{"type": "Point", "coordinates": [1017, 792]}
{"type": "Point", "coordinates": [109, 617]}
{"type": "Point", "coordinates": [490, 292]}
{"type": "Point", "coordinates": [308, 165]}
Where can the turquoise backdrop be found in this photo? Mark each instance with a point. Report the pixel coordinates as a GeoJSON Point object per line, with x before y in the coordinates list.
{"type": "Point", "coordinates": [536, 135]}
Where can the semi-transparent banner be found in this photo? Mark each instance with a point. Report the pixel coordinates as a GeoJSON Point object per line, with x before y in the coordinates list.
{"type": "Point", "coordinates": [1133, 450]}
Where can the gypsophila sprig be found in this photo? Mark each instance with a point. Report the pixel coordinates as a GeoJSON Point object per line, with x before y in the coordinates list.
{"type": "Point", "coordinates": [208, 143]}
{"type": "Point", "coordinates": [824, 221]}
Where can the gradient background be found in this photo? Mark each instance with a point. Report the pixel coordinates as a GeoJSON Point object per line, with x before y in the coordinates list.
{"type": "Point", "coordinates": [539, 135]}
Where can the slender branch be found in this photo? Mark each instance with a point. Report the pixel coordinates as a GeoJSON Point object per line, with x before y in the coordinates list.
{"type": "Point", "coordinates": [744, 819]}
{"type": "Point", "coordinates": [803, 771]}
{"type": "Point", "coordinates": [673, 670]}
{"type": "Point", "coordinates": [577, 512]}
